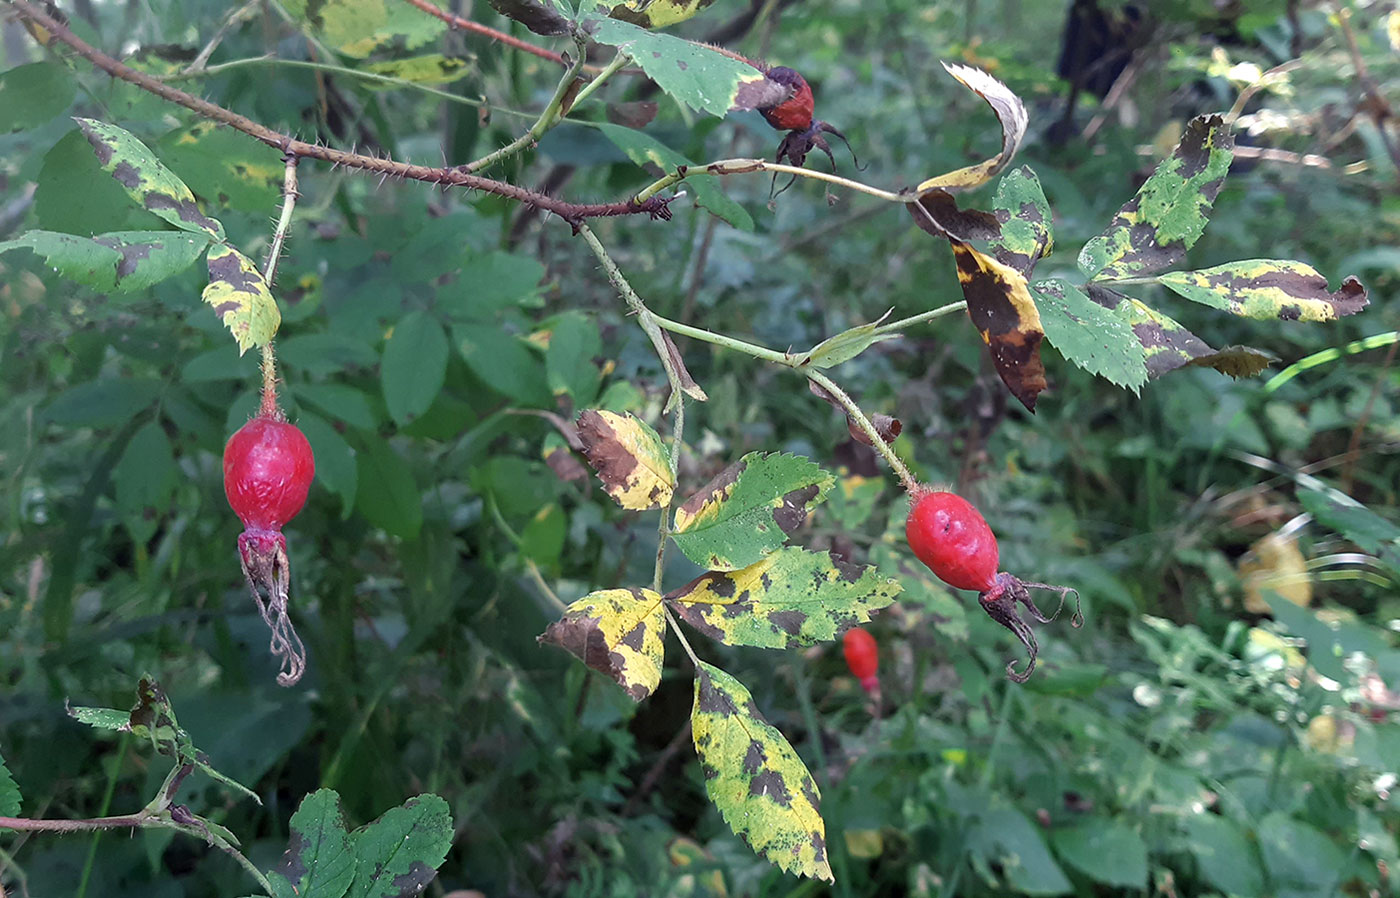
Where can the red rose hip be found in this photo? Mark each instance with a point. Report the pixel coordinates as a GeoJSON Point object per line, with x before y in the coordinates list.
{"type": "Point", "coordinates": [268, 467]}
{"type": "Point", "coordinates": [953, 539]}
{"type": "Point", "coordinates": [862, 657]}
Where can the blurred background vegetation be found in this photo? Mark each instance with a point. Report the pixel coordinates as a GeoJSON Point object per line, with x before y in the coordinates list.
{"type": "Point", "coordinates": [1227, 722]}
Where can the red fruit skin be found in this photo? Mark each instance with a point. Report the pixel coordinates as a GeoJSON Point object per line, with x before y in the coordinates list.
{"type": "Point", "coordinates": [952, 538]}
{"type": "Point", "coordinates": [794, 113]}
{"type": "Point", "coordinates": [268, 467]}
{"type": "Point", "coordinates": [862, 655]}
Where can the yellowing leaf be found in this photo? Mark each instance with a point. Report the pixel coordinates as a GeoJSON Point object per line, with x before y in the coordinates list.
{"type": "Point", "coordinates": [1269, 288]}
{"type": "Point", "coordinates": [1009, 111]}
{"type": "Point", "coordinates": [240, 297]}
{"type": "Point", "coordinates": [791, 598]}
{"type": "Point", "coordinates": [655, 13]}
{"type": "Point", "coordinates": [617, 632]}
{"type": "Point", "coordinates": [629, 458]}
{"type": "Point", "coordinates": [755, 777]}
{"type": "Point", "coordinates": [1000, 305]}
{"type": "Point", "coordinates": [1274, 564]}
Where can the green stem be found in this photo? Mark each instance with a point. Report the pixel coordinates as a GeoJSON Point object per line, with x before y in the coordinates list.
{"type": "Point", "coordinates": [685, 643]}
{"type": "Point", "coordinates": [877, 442]}
{"type": "Point", "coordinates": [753, 349]}
{"type": "Point", "coordinates": [549, 117]}
{"type": "Point", "coordinates": [106, 805]}
{"type": "Point", "coordinates": [284, 221]}
{"type": "Point", "coordinates": [904, 324]}
{"type": "Point", "coordinates": [745, 166]}
{"type": "Point", "coordinates": [612, 68]}
{"type": "Point", "coordinates": [1126, 282]}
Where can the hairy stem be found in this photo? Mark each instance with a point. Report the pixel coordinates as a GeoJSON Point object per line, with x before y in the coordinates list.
{"type": "Point", "coordinates": [753, 349]}
{"type": "Point", "coordinates": [853, 411]}
{"type": "Point", "coordinates": [553, 112]}
{"type": "Point", "coordinates": [745, 166]}
{"type": "Point", "coordinates": [904, 324]}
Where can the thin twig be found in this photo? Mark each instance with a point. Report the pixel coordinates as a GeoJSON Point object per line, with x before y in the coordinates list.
{"type": "Point", "coordinates": [237, 15]}
{"type": "Point", "coordinates": [574, 213]}
{"type": "Point", "coordinates": [853, 411]}
{"type": "Point", "coordinates": [456, 21]}
{"type": "Point", "coordinates": [1376, 104]}
{"type": "Point", "coordinates": [552, 113]}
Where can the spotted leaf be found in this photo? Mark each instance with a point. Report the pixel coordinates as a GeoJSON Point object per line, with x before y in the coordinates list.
{"type": "Point", "coordinates": [318, 859]}
{"type": "Point", "coordinates": [1154, 229]}
{"type": "Point", "coordinates": [618, 632]}
{"type": "Point", "coordinates": [1086, 333]}
{"type": "Point", "coordinates": [791, 598]}
{"type": "Point", "coordinates": [748, 510]}
{"type": "Point", "coordinates": [1009, 111]}
{"type": "Point", "coordinates": [119, 262]}
{"type": "Point", "coordinates": [701, 77]}
{"type": "Point", "coordinates": [431, 68]}
{"type": "Point", "coordinates": [1269, 288]}
{"type": "Point", "coordinates": [148, 182]}
{"type": "Point", "coordinates": [629, 458]}
{"type": "Point", "coordinates": [655, 13]}
{"type": "Point", "coordinates": [240, 297]}
{"type": "Point", "coordinates": [1168, 346]}
{"type": "Point", "coordinates": [398, 854]}
{"type": "Point", "coordinates": [1021, 208]}
{"type": "Point", "coordinates": [1000, 305]}
{"type": "Point", "coordinates": [755, 777]}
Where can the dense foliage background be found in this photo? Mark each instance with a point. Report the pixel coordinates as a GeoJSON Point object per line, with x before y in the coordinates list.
{"type": "Point", "coordinates": [1211, 730]}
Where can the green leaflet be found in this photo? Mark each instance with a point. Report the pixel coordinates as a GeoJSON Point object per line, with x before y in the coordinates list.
{"type": "Point", "coordinates": [1154, 229]}
{"type": "Point", "coordinates": [399, 853]}
{"type": "Point", "coordinates": [618, 632]}
{"type": "Point", "coordinates": [1089, 335]}
{"type": "Point", "coordinates": [1109, 851]}
{"type": "Point", "coordinates": [755, 777]}
{"type": "Point", "coordinates": [33, 94]}
{"type": "Point", "coordinates": [413, 366]}
{"type": "Point", "coordinates": [223, 166]}
{"type": "Point", "coordinates": [847, 345]}
{"type": "Point", "coordinates": [791, 598]}
{"type": "Point", "coordinates": [1168, 346]}
{"type": "Point", "coordinates": [629, 457]}
{"type": "Point", "coordinates": [1226, 857]}
{"type": "Point", "coordinates": [1269, 288]}
{"type": "Point", "coordinates": [700, 77]}
{"type": "Point", "coordinates": [642, 149]}
{"type": "Point", "coordinates": [359, 27]}
{"type": "Point", "coordinates": [748, 510]}
{"type": "Point", "coordinates": [1024, 213]}
{"type": "Point", "coordinates": [119, 262]}
{"type": "Point", "coordinates": [240, 297]}
{"type": "Point", "coordinates": [654, 13]}
{"type": "Point", "coordinates": [153, 186]}
{"type": "Point", "coordinates": [318, 860]}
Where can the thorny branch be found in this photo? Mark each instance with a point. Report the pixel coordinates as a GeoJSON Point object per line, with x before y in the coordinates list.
{"type": "Point", "coordinates": [573, 213]}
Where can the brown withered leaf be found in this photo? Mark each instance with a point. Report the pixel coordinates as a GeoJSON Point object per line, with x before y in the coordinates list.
{"type": "Point", "coordinates": [534, 15]}
{"type": "Point", "coordinates": [937, 213]}
{"type": "Point", "coordinates": [629, 457]}
{"type": "Point", "coordinates": [888, 426]}
{"type": "Point", "coordinates": [1001, 307]}
{"type": "Point", "coordinates": [688, 384]}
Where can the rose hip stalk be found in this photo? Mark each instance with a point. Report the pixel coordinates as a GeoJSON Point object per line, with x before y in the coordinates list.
{"type": "Point", "coordinates": [268, 467]}
{"type": "Point", "coordinates": [950, 536]}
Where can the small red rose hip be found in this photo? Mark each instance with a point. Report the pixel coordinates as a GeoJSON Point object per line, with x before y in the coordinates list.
{"type": "Point", "coordinates": [794, 113]}
{"type": "Point", "coordinates": [268, 467]}
{"type": "Point", "coordinates": [862, 657]}
{"type": "Point", "coordinates": [953, 539]}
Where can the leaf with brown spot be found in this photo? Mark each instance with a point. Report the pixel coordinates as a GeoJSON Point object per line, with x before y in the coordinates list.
{"type": "Point", "coordinates": [937, 213]}
{"type": "Point", "coordinates": [1000, 305]}
{"type": "Point", "coordinates": [1010, 112]}
{"type": "Point", "coordinates": [240, 297]}
{"type": "Point", "coordinates": [1168, 346]}
{"type": "Point", "coordinates": [617, 632]}
{"type": "Point", "coordinates": [655, 13]}
{"type": "Point", "coordinates": [1269, 288]}
{"type": "Point", "coordinates": [1091, 336]}
{"type": "Point", "coordinates": [791, 598]}
{"type": "Point", "coordinates": [1020, 206]}
{"type": "Point", "coordinates": [117, 262]}
{"type": "Point", "coordinates": [748, 510]}
{"type": "Point", "coordinates": [755, 777]}
{"type": "Point", "coordinates": [153, 186]}
{"type": "Point", "coordinates": [1154, 229]}
{"type": "Point", "coordinates": [629, 457]}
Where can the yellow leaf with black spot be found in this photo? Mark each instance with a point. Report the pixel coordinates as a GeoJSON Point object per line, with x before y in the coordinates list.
{"type": "Point", "coordinates": [755, 777]}
{"type": "Point", "coordinates": [656, 13]}
{"type": "Point", "coordinates": [1168, 346]}
{"type": "Point", "coordinates": [240, 297]}
{"type": "Point", "coordinates": [1000, 305]}
{"type": "Point", "coordinates": [1010, 112]}
{"type": "Point", "coordinates": [153, 186]}
{"type": "Point", "coordinates": [791, 598]}
{"type": "Point", "coordinates": [1269, 288]}
{"type": "Point", "coordinates": [617, 632]}
{"type": "Point", "coordinates": [748, 510]}
{"type": "Point", "coordinates": [629, 458]}
{"type": "Point", "coordinates": [430, 68]}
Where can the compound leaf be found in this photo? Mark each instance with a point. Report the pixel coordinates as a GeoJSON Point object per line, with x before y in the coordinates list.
{"type": "Point", "coordinates": [399, 853]}
{"type": "Point", "coordinates": [153, 186]}
{"type": "Point", "coordinates": [629, 457]}
{"type": "Point", "coordinates": [1086, 333]}
{"type": "Point", "coordinates": [318, 862]}
{"type": "Point", "coordinates": [702, 78]}
{"type": "Point", "coordinates": [240, 297]}
{"type": "Point", "coordinates": [1168, 346]}
{"type": "Point", "coordinates": [1000, 305]}
{"type": "Point", "coordinates": [748, 510]}
{"type": "Point", "coordinates": [618, 632]}
{"type": "Point", "coordinates": [1269, 288]}
{"type": "Point", "coordinates": [793, 597]}
{"type": "Point", "coordinates": [1010, 112]}
{"type": "Point", "coordinates": [755, 777]}
{"type": "Point", "coordinates": [1154, 229]}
